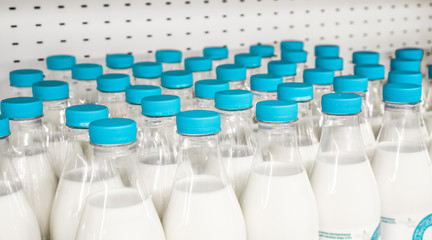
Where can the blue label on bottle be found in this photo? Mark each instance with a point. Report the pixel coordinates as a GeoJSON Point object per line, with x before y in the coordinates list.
{"type": "Point", "coordinates": [422, 227]}
{"type": "Point", "coordinates": [377, 233]}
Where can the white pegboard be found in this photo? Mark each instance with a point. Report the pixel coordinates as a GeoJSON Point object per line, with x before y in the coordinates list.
{"type": "Point", "coordinates": [32, 30]}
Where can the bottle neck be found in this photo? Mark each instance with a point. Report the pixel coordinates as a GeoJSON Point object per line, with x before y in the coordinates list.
{"type": "Point", "coordinates": [105, 97]}
{"type": "Point", "coordinates": [56, 105]}
{"type": "Point", "coordinates": [115, 151]}
{"type": "Point", "coordinates": [156, 122]}
{"type": "Point", "coordinates": [304, 109]}
{"type": "Point", "coordinates": [276, 133]}
{"type": "Point", "coordinates": [320, 90]}
{"type": "Point", "coordinates": [78, 134]}
{"type": "Point", "coordinates": [27, 133]}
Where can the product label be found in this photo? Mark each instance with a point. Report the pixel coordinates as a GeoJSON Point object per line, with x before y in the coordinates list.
{"type": "Point", "coordinates": [370, 233]}
{"type": "Point", "coordinates": [407, 227]}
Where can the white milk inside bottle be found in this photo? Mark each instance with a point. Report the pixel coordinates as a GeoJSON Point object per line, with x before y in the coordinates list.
{"type": "Point", "coordinates": [111, 93]}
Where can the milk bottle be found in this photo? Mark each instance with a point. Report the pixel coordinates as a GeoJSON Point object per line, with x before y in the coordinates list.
{"type": "Point", "coordinates": [278, 201]}
{"type": "Point", "coordinates": [180, 83]}
{"type": "Point", "coordinates": [76, 181]}
{"type": "Point", "coordinates": [118, 206]}
{"type": "Point", "coordinates": [205, 91]}
{"type": "Point", "coordinates": [219, 55]}
{"type": "Point", "coordinates": [296, 56]}
{"type": "Point", "coordinates": [119, 63]}
{"type": "Point", "coordinates": [202, 204]}
{"type": "Point", "coordinates": [30, 156]}
{"type": "Point", "coordinates": [358, 84]}
{"type": "Point", "coordinates": [147, 73]}
{"type": "Point", "coordinates": [83, 85]}
{"type": "Point", "coordinates": [111, 93]}
{"type": "Point", "coordinates": [402, 166]}
{"type": "Point", "coordinates": [17, 219]}
{"type": "Point", "coordinates": [55, 97]}
{"type": "Point", "coordinates": [302, 93]}
{"type": "Point", "coordinates": [169, 58]}
{"type": "Point", "coordinates": [284, 68]}
{"type": "Point", "coordinates": [326, 50]}
{"type": "Point", "coordinates": [201, 68]}
{"type": "Point", "coordinates": [237, 141]}
{"type": "Point", "coordinates": [235, 74]}
{"type": "Point", "coordinates": [330, 63]}
{"type": "Point", "coordinates": [252, 62]}
{"type": "Point", "coordinates": [59, 67]}
{"type": "Point", "coordinates": [342, 178]}
{"type": "Point", "coordinates": [22, 80]}
{"type": "Point", "coordinates": [266, 52]}
{"type": "Point", "coordinates": [134, 95]}
{"type": "Point", "coordinates": [158, 150]}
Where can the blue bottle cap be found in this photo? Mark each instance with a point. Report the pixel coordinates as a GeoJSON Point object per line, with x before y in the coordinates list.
{"type": "Point", "coordinates": [177, 79]}
{"type": "Point", "coordinates": [25, 77]}
{"type": "Point", "coordinates": [216, 53]}
{"type": "Point", "coordinates": [265, 82]}
{"type": "Point", "coordinates": [350, 83]}
{"type": "Point", "coordinates": [113, 131]}
{"type": "Point", "coordinates": [276, 111]}
{"type": "Point", "coordinates": [160, 105]}
{"type": "Point", "coordinates": [51, 90]}
{"type": "Point", "coordinates": [318, 76]}
{"type": "Point", "coordinates": [22, 107]}
{"type": "Point", "coordinates": [231, 72]}
{"type": "Point", "coordinates": [198, 64]}
{"type": "Point", "coordinates": [262, 50]}
{"type": "Point", "coordinates": [430, 71]}
{"type": "Point", "coordinates": [113, 82]}
{"type": "Point", "coordinates": [291, 45]}
{"type": "Point", "coordinates": [398, 76]}
{"type": "Point", "coordinates": [365, 57]}
{"type": "Point", "coordinates": [341, 103]}
{"type": "Point", "coordinates": [168, 56]}
{"type": "Point", "coordinates": [60, 62]}
{"type": "Point", "coordinates": [198, 122]}
{"type": "Point", "coordinates": [134, 94]}
{"type": "Point", "coordinates": [80, 116]}
{"type": "Point", "coordinates": [330, 63]}
{"type": "Point", "coordinates": [282, 68]}
{"type": "Point", "coordinates": [248, 60]}
{"type": "Point", "coordinates": [4, 126]}
{"type": "Point", "coordinates": [297, 56]}
{"type": "Point", "coordinates": [327, 51]}
{"type": "Point", "coordinates": [405, 65]}
{"type": "Point", "coordinates": [371, 71]}
{"type": "Point", "coordinates": [119, 61]}
{"type": "Point", "coordinates": [233, 99]}
{"type": "Point", "coordinates": [86, 71]}
{"type": "Point", "coordinates": [208, 88]}
{"type": "Point", "coordinates": [410, 53]}
{"type": "Point", "coordinates": [402, 93]}
{"type": "Point", "coordinates": [294, 91]}
{"type": "Point", "coordinates": [147, 70]}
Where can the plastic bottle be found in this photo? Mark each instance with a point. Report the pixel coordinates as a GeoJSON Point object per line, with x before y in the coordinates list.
{"type": "Point", "coordinates": [22, 80]}
{"type": "Point", "coordinates": [278, 201]}
{"type": "Point", "coordinates": [134, 95]}
{"type": "Point", "coordinates": [74, 184]}
{"type": "Point", "coordinates": [59, 67]}
{"type": "Point", "coordinates": [365, 57]}
{"type": "Point", "coordinates": [252, 63]}
{"type": "Point", "coordinates": [170, 59]}
{"type": "Point", "coordinates": [342, 177]}
{"type": "Point", "coordinates": [118, 206]}
{"type": "Point", "coordinates": [17, 219]}
{"type": "Point", "coordinates": [30, 156]}
{"type": "Point", "coordinates": [308, 143]}
{"type": "Point", "coordinates": [83, 85]}
{"type": "Point", "coordinates": [299, 57]}
{"type": "Point", "coordinates": [201, 68]}
{"type": "Point", "coordinates": [330, 63]}
{"type": "Point", "coordinates": [326, 51]}
{"type": "Point", "coordinates": [202, 204]}
{"type": "Point", "coordinates": [266, 52]}
{"type": "Point", "coordinates": [119, 63]}
{"type": "Point", "coordinates": [235, 74]}
{"type": "Point", "coordinates": [180, 83]}
{"type": "Point", "coordinates": [111, 93]}
{"type": "Point", "coordinates": [237, 141]}
{"type": "Point", "coordinates": [158, 150]}
{"type": "Point", "coordinates": [283, 68]}
{"type": "Point", "coordinates": [402, 166]}
{"type": "Point", "coordinates": [219, 55]}
{"type": "Point", "coordinates": [147, 73]}
{"type": "Point", "coordinates": [205, 91]}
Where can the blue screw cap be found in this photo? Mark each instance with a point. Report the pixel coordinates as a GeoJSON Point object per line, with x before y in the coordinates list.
{"type": "Point", "coordinates": [51, 90]}
{"type": "Point", "coordinates": [168, 56]}
{"type": "Point", "coordinates": [198, 64]}
{"type": "Point", "coordinates": [430, 71]}
{"type": "Point", "coordinates": [405, 65]}
{"type": "Point", "coordinates": [233, 99]}
{"type": "Point", "coordinates": [402, 93]}
{"type": "Point", "coordinates": [25, 77]}
{"type": "Point", "coordinates": [410, 53]}
{"type": "Point", "coordinates": [341, 103]}
{"type": "Point", "coordinates": [22, 107]}
{"type": "Point", "coordinates": [60, 62]}
{"type": "Point", "coordinates": [296, 92]}
{"type": "Point", "coordinates": [291, 45]}
{"type": "Point", "coordinates": [248, 60]}
{"type": "Point", "coordinates": [365, 57]}
{"type": "Point", "coordinates": [350, 83]}
{"type": "Point", "coordinates": [216, 53]}
{"type": "Point", "coordinates": [262, 50]}
{"type": "Point", "coordinates": [4, 126]}
{"type": "Point", "coordinates": [265, 82]}
{"type": "Point", "coordinates": [86, 71]}
{"type": "Point", "coordinates": [147, 70]}
{"type": "Point", "coordinates": [113, 131]}
{"type": "Point", "coordinates": [119, 61]}
{"type": "Point", "coordinates": [318, 76]}
{"type": "Point", "coordinates": [398, 76]}
{"type": "Point", "coordinates": [177, 79]}
{"type": "Point", "coordinates": [113, 82]}
{"type": "Point", "coordinates": [160, 105]}
{"type": "Point", "coordinates": [80, 116]}
{"type": "Point", "coordinates": [208, 88]}
{"type": "Point", "coordinates": [231, 72]}
{"type": "Point", "coordinates": [330, 63]}
{"type": "Point", "coordinates": [327, 51]}
{"type": "Point", "coordinates": [282, 68]}
{"type": "Point", "coordinates": [134, 94]}
{"type": "Point", "coordinates": [371, 71]}
{"type": "Point", "coordinates": [276, 111]}
{"type": "Point", "coordinates": [198, 122]}
{"type": "Point", "coordinates": [297, 56]}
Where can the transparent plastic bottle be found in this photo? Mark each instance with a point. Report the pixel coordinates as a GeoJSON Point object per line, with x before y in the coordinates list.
{"type": "Point", "coordinates": [55, 98]}
{"type": "Point", "coordinates": [170, 59]}
{"type": "Point", "coordinates": [342, 177]}
{"type": "Point", "coordinates": [358, 85]}
{"type": "Point", "coordinates": [330, 63]}
{"type": "Point", "coordinates": [427, 115]}
{"type": "Point", "coordinates": [266, 52]}
{"type": "Point", "coordinates": [30, 156]}
{"type": "Point", "coordinates": [111, 93]}
{"type": "Point", "coordinates": [22, 80]}
{"type": "Point", "coordinates": [134, 95]}
{"type": "Point", "coordinates": [299, 57]}
{"type": "Point", "coordinates": [180, 83]}
{"type": "Point", "coordinates": [326, 50]}
{"type": "Point", "coordinates": [402, 166]}
{"type": "Point", "coordinates": [308, 143]}
{"type": "Point", "coordinates": [118, 205]}
{"type": "Point", "coordinates": [83, 86]}
{"type": "Point", "coordinates": [158, 150]}
{"type": "Point", "coordinates": [119, 63]}
{"type": "Point", "coordinates": [237, 140]}
{"type": "Point", "coordinates": [252, 63]}
{"type": "Point", "coordinates": [17, 219]}
{"type": "Point", "coordinates": [235, 74]}
{"type": "Point", "coordinates": [219, 56]}
{"type": "Point", "coordinates": [291, 45]}
{"type": "Point", "coordinates": [74, 184]}
{"type": "Point", "coordinates": [147, 73]}
{"type": "Point", "coordinates": [375, 106]}
{"type": "Point", "coordinates": [59, 67]}
{"type": "Point", "coordinates": [205, 91]}
{"type": "Point", "coordinates": [201, 68]}
{"type": "Point", "coordinates": [202, 204]}
{"type": "Point", "coordinates": [278, 201]}
{"type": "Point", "coordinates": [322, 82]}
{"type": "Point", "coordinates": [283, 68]}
